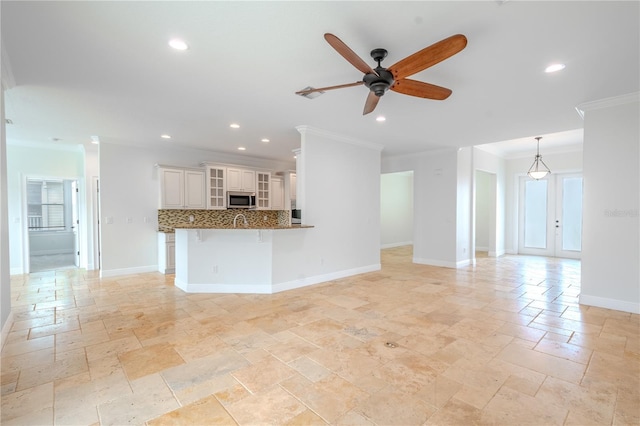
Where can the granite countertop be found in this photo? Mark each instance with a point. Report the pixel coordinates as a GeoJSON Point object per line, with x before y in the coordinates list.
{"type": "Point", "coordinates": [239, 227]}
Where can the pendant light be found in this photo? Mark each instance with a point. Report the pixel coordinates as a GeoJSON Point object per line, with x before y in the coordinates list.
{"type": "Point", "coordinates": [538, 169]}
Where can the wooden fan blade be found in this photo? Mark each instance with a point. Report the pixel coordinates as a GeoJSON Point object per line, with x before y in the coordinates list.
{"type": "Point", "coordinates": [428, 56]}
{"type": "Point", "coordinates": [348, 54]}
{"type": "Point", "coordinates": [371, 103]}
{"type": "Point", "coordinates": [323, 89]}
{"type": "Point", "coordinates": [420, 89]}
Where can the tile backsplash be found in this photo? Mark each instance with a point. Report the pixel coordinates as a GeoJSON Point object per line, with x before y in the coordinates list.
{"type": "Point", "coordinates": [169, 218]}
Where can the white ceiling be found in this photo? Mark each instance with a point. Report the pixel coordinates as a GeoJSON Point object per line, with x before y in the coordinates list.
{"type": "Point", "coordinates": [84, 68]}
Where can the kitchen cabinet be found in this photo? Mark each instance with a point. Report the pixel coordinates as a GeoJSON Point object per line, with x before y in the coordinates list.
{"type": "Point", "coordinates": [166, 253]}
{"type": "Point", "coordinates": [216, 198]}
{"type": "Point", "coordinates": [242, 180]}
{"type": "Point", "coordinates": [263, 194]}
{"type": "Point", "coordinates": [181, 188]}
{"type": "Point", "coordinates": [277, 193]}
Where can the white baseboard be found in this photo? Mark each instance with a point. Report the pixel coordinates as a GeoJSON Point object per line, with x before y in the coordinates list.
{"type": "Point", "coordinates": [391, 245]}
{"type": "Point", "coordinates": [223, 288]}
{"type": "Point", "coordinates": [482, 248]}
{"type": "Point", "coordinates": [5, 330]}
{"type": "Point", "coordinates": [603, 302]}
{"type": "Point", "coordinates": [272, 288]}
{"type": "Point", "coordinates": [317, 279]}
{"type": "Point", "coordinates": [435, 262]}
{"type": "Point", "coordinates": [496, 253]}
{"type": "Point", "coordinates": [107, 273]}
{"type": "Point", "coordinates": [511, 251]}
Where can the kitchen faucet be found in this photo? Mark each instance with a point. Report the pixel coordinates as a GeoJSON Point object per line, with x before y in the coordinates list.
{"type": "Point", "coordinates": [244, 218]}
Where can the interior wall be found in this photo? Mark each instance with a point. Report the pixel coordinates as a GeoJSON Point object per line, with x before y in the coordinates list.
{"type": "Point", "coordinates": [611, 222]}
{"type": "Point", "coordinates": [340, 185]}
{"type": "Point", "coordinates": [5, 285]}
{"type": "Point", "coordinates": [435, 180]}
{"type": "Point", "coordinates": [464, 207]}
{"type": "Point", "coordinates": [496, 167]}
{"type": "Point", "coordinates": [36, 161]}
{"type": "Point", "coordinates": [129, 194]}
{"type": "Point", "coordinates": [484, 198]}
{"type": "Point", "coordinates": [396, 209]}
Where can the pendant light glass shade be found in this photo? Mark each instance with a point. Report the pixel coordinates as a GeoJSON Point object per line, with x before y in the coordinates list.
{"type": "Point", "coordinates": [538, 169]}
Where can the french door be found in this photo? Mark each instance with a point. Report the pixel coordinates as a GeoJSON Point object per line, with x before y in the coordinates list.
{"type": "Point", "coordinates": [550, 216]}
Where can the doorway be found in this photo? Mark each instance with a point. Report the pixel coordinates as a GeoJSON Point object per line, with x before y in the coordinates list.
{"type": "Point", "coordinates": [550, 216]}
{"type": "Point", "coordinates": [485, 213]}
{"type": "Point", "coordinates": [52, 224]}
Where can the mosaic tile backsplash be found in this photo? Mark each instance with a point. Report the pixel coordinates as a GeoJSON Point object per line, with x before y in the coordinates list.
{"type": "Point", "coordinates": [169, 218]}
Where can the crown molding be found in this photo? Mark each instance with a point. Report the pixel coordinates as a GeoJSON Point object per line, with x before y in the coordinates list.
{"type": "Point", "coordinates": [607, 102]}
{"type": "Point", "coordinates": [336, 137]}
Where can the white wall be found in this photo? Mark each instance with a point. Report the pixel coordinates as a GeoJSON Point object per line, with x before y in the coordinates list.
{"type": "Point", "coordinates": [396, 209]}
{"type": "Point", "coordinates": [129, 190]}
{"type": "Point", "coordinates": [611, 237]}
{"type": "Point", "coordinates": [340, 183]}
{"type": "Point", "coordinates": [484, 198]}
{"type": "Point", "coordinates": [496, 167]}
{"type": "Point", "coordinates": [464, 207]}
{"type": "Point", "coordinates": [435, 188]}
{"type": "Point", "coordinates": [36, 161]}
{"type": "Point", "coordinates": [5, 286]}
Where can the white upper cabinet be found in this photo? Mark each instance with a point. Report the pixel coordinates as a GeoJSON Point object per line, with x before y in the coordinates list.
{"type": "Point", "coordinates": [277, 193]}
{"type": "Point", "coordinates": [194, 189]}
{"type": "Point", "coordinates": [181, 188]}
{"type": "Point", "coordinates": [241, 180]}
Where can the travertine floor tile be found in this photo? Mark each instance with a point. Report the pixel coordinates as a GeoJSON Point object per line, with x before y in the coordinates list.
{"type": "Point", "coordinates": [502, 342]}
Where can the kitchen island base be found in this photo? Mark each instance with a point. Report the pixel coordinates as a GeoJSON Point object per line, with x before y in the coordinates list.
{"type": "Point", "coordinates": [262, 261]}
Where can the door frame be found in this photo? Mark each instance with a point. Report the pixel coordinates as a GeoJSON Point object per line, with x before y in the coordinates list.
{"type": "Point", "coordinates": [26, 249]}
{"type": "Point", "coordinates": [553, 201]}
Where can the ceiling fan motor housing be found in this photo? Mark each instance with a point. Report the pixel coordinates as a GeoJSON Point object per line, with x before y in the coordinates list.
{"type": "Point", "coordinates": [380, 83]}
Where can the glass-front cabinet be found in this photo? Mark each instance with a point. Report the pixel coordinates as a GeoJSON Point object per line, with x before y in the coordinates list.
{"type": "Point", "coordinates": [215, 188]}
{"type": "Point", "coordinates": [263, 191]}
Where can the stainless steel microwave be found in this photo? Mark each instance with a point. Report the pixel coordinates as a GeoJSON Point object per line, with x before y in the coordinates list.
{"type": "Point", "coordinates": [241, 200]}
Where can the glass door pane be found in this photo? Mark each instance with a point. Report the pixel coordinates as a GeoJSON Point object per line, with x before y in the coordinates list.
{"type": "Point", "coordinates": [535, 214]}
{"type": "Point", "coordinates": [569, 216]}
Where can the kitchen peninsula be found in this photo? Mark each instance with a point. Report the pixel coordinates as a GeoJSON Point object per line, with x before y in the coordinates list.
{"type": "Point", "coordinates": [240, 259]}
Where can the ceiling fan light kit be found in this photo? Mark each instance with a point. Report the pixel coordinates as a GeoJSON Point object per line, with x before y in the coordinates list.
{"type": "Point", "coordinates": [380, 79]}
{"type": "Point", "coordinates": [538, 169]}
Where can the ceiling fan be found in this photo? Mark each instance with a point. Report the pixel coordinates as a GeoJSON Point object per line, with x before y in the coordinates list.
{"type": "Point", "coordinates": [380, 79]}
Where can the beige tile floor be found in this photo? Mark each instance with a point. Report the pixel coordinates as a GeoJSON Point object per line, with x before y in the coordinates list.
{"type": "Point", "coordinates": [502, 343]}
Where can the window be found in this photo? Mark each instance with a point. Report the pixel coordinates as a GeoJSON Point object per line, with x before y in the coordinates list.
{"type": "Point", "coordinates": [46, 205]}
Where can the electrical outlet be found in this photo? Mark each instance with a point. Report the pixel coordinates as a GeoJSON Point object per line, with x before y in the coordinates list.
{"type": "Point", "coordinates": [108, 220]}
{"type": "Point", "coordinates": [215, 269]}
{"type": "Point", "coordinates": [265, 218]}
{"type": "Point", "coordinates": [129, 220]}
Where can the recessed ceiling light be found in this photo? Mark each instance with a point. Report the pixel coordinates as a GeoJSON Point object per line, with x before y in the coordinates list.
{"type": "Point", "coordinates": [178, 44]}
{"type": "Point", "coordinates": [165, 136]}
{"type": "Point", "coordinates": [381, 118]}
{"type": "Point", "coordinates": [265, 140]}
{"type": "Point", "coordinates": [241, 148]}
{"type": "Point", "coordinates": [234, 126]}
{"type": "Point", "coordinates": [554, 68]}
